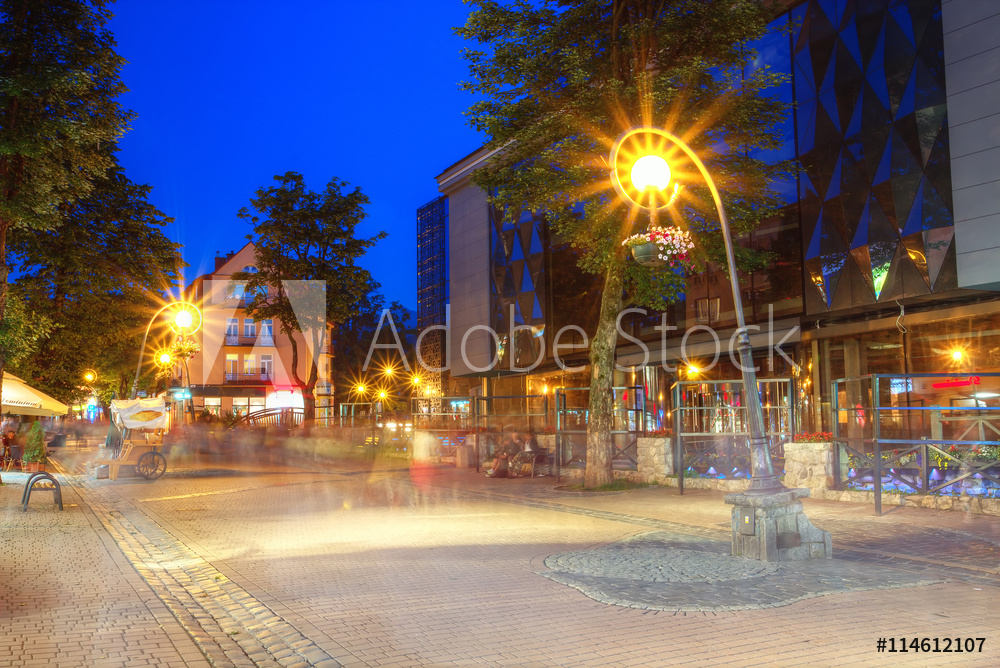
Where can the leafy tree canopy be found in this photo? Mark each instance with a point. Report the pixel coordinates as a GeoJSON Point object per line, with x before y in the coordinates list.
{"type": "Point", "coordinates": [560, 80]}
{"type": "Point", "coordinates": [302, 235]}
{"type": "Point", "coordinates": [97, 279]}
{"type": "Point", "coordinates": [59, 83]}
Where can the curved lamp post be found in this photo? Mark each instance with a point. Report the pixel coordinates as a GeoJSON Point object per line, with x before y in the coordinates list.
{"type": "Point", "coordinates": [643, 184]}
{"type": "Point", "coordinates": [186, 321]}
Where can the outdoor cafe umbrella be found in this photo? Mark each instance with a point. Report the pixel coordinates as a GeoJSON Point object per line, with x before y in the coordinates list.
{"type": "Point", "coordinates": [19, 398]}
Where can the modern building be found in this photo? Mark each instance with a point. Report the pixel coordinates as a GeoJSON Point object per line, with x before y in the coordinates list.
{"type": "Point", "coordinates": [245, 364]}
{"type": "Point", "coordinates": [887, 253]}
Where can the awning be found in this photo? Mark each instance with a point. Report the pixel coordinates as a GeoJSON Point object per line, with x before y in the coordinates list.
{"type": "Point", "coordinates": [21, 399]}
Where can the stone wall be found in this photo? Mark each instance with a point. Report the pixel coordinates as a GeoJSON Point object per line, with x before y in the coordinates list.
{"type": "Point", "coordinates": [809, 465]}
{"type": "Point", "coordinates": [655, 459]}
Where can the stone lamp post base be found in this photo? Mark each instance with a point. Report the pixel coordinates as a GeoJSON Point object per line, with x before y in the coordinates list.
{"type": "Point", "coordinates": [773, 527]}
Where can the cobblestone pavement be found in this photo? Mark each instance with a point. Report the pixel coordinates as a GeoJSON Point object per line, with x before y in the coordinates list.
{"type": "Point", "coordinates": [435, 567]}
{"type": "Point", "coordinates": [68, 597]}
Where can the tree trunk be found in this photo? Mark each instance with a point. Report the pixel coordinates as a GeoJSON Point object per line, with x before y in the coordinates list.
{"type": "Point", "coordinates": [600, 421]}
{"type": "Point", "coordinates": [4, 272]}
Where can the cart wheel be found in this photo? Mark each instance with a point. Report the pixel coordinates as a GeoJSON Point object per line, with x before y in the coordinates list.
{"type": "Point", "coordinates": [151, 465]}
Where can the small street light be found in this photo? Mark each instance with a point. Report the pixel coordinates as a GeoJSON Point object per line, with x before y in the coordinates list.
{"type": "Point", "coordinates": [641, 175]}
{"type": "Point", "coordinates": [185, 320]}
{"type": "Point", "coordinates": [90, 375]}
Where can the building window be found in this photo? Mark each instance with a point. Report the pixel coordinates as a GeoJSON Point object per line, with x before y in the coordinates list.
{"type": "Point", "coordinates": [266, 332]}
{"type": "Point", "coordinates": [250, 269]}
{"type": "Point", "coordinates": [249, 328]}
{"type": "Point", "coordinates": [232, 327]}
{"type": "Point", "coordinates": [237, 292]}
{"type": "Point", "coordinates": [249, 364]}
{"type": "Point", "coordinates": [241, 405]}
{"type": "Point", "coordinates": [213, 405]}
{"type": "Point", "coordinates": [256, 404]}
{"type": "Point", "coordinates": [232, 367]}
{"type": "Point", "coordinates": [708, 310]}
{"type": "Point", "coordinates": [266, 367]}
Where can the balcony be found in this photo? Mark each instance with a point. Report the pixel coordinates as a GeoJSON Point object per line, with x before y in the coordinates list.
{"type": "Point", "coordinates": [259, 378]}
{"type": "Point", "coordinates": [257, 340]}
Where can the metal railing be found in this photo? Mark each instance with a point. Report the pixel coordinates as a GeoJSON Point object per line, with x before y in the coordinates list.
{"type": "Point", "coordinates": [711, 425]}
{"type": "Point", "coordinates": [273, 417]}
{"type": "Point", "coordinates": [887, 438]}
{"type": "Point", "coordinates": [249, 378]}
{"type": "Point", "coordinates": [252, 340]}
{"type": "Point", "coordinates": [572, 416]}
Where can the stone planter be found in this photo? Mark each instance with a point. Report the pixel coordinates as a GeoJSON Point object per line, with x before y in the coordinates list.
{"type": "Point", "coordinates": [655, 459]}
{"type": "Point", "coordinates": [809, 465]}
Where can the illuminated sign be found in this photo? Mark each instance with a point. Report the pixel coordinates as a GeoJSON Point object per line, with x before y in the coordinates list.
{"type": "Point", "coordinates": [971, 380]}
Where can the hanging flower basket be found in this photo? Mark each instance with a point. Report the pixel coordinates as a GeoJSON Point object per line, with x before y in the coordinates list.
{"type": "Point", "coordinates": [648, 255]}
{"type": "Point", "coordinates": [660, 246]}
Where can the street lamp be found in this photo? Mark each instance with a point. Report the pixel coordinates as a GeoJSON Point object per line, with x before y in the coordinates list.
{"type": "Point", "coordinates": [186, 320]}
{"type": "Point", "coordinates": [643, 184]}
{"type": "Point", "coordinates": [89, 375]}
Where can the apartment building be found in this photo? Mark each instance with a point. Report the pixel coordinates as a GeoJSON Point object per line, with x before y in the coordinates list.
{"type": "Point", "coordinates": [245, 364]}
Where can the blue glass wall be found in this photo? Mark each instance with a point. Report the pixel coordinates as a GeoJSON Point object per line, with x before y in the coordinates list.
{"type": "Point", "coordinates": [871, 135]}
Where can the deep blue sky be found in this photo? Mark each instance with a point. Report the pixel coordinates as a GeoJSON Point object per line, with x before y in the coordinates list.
{"type": "Point", "coordinates": [230, 93]}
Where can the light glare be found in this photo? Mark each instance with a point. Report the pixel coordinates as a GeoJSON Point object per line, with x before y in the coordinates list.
{"type": "Point", "coordinates": [650, 171]}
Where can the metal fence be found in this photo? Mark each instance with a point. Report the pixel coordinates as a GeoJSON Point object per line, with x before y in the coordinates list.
{"type": "Point", "coordinates": [917, 434]}
{"type": "Point", "coordinates": [572, 414]}
{"type": "Point", "coordinates": [711, 426]}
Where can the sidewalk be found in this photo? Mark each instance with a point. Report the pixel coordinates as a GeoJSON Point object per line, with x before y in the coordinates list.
{"type": "Point", "coordinates": [68, 597]}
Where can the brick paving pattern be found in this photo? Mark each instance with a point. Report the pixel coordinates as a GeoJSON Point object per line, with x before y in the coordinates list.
{"type": "Point", "coordinates": [438, 567]}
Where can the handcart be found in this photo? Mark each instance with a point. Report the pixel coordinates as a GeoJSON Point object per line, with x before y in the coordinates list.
{"type": "Point", "coordinates": [142, 422]}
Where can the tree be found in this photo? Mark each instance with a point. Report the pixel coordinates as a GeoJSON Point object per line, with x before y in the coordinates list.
{"type": "Point", "coordinates": [299, 236]}
{"type": "Point", "coordinates": [560, 80]}
{"type": "Point", "coordinates": [97, 278]}
{"type": "Point", "coordinates": [59, 80]}
{"type": "Point", "coordinates": [352, 340]}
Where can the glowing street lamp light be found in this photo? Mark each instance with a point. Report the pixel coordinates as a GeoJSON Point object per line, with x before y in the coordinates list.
{"type": "Point", "coordinates": [163, 359]}
{"type": "Point", "coordinates": [90, 375]}
{"type": "Point", "coordinates": [186, 320]}
{"type": "Point", "coordinates": [643, 184]}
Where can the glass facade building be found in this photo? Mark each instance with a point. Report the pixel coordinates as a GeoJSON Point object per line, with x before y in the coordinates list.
{"type": "Point", "coordinates": [884, 255]}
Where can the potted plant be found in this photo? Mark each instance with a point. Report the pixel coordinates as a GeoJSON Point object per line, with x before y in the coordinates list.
{"type": "Point", "coordinates": [660, 246]}
{"type": "Point", "coordinates": [35, 457]}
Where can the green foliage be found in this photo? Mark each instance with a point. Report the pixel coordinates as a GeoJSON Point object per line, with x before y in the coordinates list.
{"type": "Point", "coordinates": [59, 83]}
{"type": "Point", "coordinates": [21, 331]}
{"type": "Point", "coordinates": [97, 278]}
{"type": "Point", "coordinates": [302, 235]}
{"type": "Point", "coordinates": [560, 80]}
{"type": "Point", "coordinates": [229, 419]}
{"type": "Point", "coordinates": [352, 339]}
{"type": "Point", "coordinates": [34, 446]}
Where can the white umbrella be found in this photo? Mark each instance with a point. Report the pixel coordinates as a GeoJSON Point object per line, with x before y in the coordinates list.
{"type": "Point", "coordinates": [21, 399]}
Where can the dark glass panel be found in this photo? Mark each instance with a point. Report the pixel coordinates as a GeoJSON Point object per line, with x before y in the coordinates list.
{"type": "Point", "coordinates": [937, 243]}
{"type": "Point", "coordinates": [913, 244]}
{"type": "Point", "coordinates": [868, 26]}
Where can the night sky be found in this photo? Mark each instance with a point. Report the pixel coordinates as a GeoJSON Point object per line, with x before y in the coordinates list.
{"type": "Point", "coordinates": [230, 93]}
